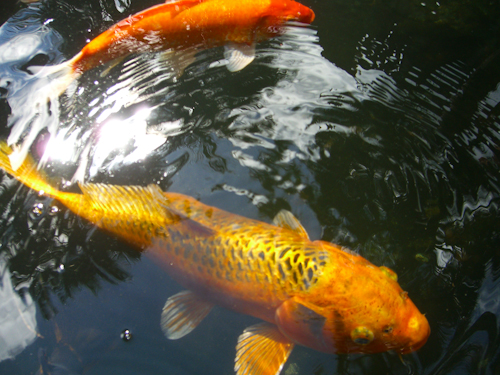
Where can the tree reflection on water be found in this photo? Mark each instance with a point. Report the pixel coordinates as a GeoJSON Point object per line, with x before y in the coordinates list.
{"type": "Point", "coordinates": [380, 131]}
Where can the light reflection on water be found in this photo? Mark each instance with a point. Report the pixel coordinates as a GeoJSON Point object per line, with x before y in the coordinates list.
{"type": "Point", "coordinates": [390, 158]}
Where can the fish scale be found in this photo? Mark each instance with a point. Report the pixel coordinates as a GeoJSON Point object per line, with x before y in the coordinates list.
{"type": "Point", "coordinates": [132, 212]}
{"type": "Point", "coordinates": [250, 253]}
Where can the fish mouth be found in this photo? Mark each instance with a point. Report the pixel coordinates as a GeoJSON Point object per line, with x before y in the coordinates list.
{"type": "Point", "coordinates": [310, 17]}
{"type": "Point", "coordinates": [413, 334]}
{"type": "Point", "coordinates": [418, 339]}
{"type": "Point", "coordinates": [302, 14]}
{"type": "Point", "coordinates": [412, 348]}
{"type": "Point", "coordinates": [306, 17]}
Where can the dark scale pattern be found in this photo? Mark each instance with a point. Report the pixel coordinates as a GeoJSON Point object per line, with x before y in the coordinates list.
{"type": "Point", "coordinates": [276, 260]}
{"type": "Point", "coordinates": [136, 213]}
{"type": "Point", "coordinates": [274, 265]}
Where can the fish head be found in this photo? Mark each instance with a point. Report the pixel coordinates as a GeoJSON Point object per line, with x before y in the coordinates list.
{"type": "Point", "coordinates": [365, 312]}
{"type": "Point", "coordinates": [280, 12]}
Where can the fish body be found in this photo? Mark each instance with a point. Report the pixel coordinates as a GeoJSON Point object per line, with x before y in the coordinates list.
{"type": "Point", "coordinates": [185, 25]}
{"type": "Point", "coordinates": [179, 29]}
{"type": "Point", "coordinates": [311, 293]}
{"type": "Point", "coordinates": [276, 273]}
{"type": "Point", "coordinates": [192, 23]}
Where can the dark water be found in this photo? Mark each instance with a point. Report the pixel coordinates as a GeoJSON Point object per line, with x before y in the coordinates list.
{"type": "Point", "coordinates": [378, 127]}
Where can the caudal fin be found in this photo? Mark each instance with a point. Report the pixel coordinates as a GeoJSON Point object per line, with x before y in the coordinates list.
{"type": "Point", "coordinates": [27, 172]}
{"type": "Point", "coordinates": [60, 76]}
{"type": "Point", "coordinates": [37, 106]}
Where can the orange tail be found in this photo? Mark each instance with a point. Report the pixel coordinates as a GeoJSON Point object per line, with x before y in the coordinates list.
{"type": "Point", "coordinates": [27, 172]}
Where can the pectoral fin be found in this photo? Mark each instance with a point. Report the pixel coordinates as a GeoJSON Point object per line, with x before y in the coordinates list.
{"type": "Point", "coordinates": [285, 219]}
{"type": "Point", "coordinates": [301, 322]}
{"type": "Point", "coordinates": [261, 349]}
{"type": "Point", "coordinates": [179, 60]}
{"type": "Point", "coordinates": [113, 64]}
{"type": "Point", "coordinates": [239, 55]}
{"type": "Point", "coordinates": [182, 313]}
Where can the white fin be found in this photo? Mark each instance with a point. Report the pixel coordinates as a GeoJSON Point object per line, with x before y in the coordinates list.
{"type": "Point", "coordinates": [111, 65]}
{"type": "Point", "coordinates": [238, 55]}
{"type": "Point", "coordinates": [182, 313]}
{"type": "Point", "coordinates": [18, 156]}
{"type": "Point", "coordinates": [30, 113]}
{"type": "Point", "coordinates": [60, 75]}
{"type": "Point", "coordinates": [262, 350]}
{"type": "Point", "coordinates": [79, 175]}
{"type": "Point", "coordinates": [285, 219]}
{"type": "Point", "coordinates": [179, 60]}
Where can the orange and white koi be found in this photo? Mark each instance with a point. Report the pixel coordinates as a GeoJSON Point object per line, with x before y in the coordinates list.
{"type": "Point", "coordinates": [179, 29]}
{"type": "Point", "coordinates": [188, 24]}
{"type": "Point", "coordinates": [311, 293]}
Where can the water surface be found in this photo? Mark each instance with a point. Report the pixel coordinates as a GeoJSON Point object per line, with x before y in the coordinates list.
{"type": "Point", "coordinates": [378, 127]}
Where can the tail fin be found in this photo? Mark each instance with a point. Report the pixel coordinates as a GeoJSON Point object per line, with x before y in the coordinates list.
{"type": "Point", "coordinates": [27, 172]}
{"type": "Point", "coordinates": [61, 75]}
{"type": "Point", "coordinates": [30, 114]}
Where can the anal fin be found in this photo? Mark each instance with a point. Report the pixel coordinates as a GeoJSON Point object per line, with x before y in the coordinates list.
{"type": "Point", "coordinates": [238, 55]}
{"type": "Point", "coordinates": [262, 350]}
{"type": "Point", "coordinates": [182, 313]}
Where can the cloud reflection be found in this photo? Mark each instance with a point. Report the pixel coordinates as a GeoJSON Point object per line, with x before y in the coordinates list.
{"type": "Point", "coordinates": [17, 316]}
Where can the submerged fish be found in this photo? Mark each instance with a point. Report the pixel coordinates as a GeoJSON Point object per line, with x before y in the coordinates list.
{"type": "Point", "coordinates": [311, 293]}
{"type": "Point", "coordinates": [188, 24]}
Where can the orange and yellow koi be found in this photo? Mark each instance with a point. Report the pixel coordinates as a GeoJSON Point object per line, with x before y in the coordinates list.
{"type": "Point", "coordinates": [311, 293]}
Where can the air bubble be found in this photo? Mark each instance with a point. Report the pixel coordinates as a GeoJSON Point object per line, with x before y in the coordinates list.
{"type": "Point", "coordinates": [54, 210]}
{"type": "Point", "coordinates": [126, 335]}
{"type": "Point", "coordinates": [38, 209]}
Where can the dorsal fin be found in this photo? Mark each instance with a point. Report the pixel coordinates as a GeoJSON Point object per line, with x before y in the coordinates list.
{"type": "Point", "coordinates": [285, 219]}
{"type": "Point", "coordinates": [144, 204]}
{"type": "Point", "coordinates": [137, 200]}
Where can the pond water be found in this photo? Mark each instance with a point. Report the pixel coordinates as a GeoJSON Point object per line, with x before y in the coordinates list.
{"type": "Point", "coordinates": [377, 126]}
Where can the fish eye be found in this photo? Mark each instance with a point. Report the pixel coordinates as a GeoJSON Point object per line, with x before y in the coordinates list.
{"type": "Point", "coordinates": [389, 273]}
{"type": "Point", "coordinates": [387, 329]}
{"type": "Point", "coordinates": [362, 335]}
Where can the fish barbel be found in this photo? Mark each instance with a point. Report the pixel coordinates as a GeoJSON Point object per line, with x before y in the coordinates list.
{"type": "Point", "coordinates": [311, 293]}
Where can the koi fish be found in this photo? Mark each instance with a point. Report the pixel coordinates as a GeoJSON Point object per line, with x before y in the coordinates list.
{"type": "Point", "coordinates": [178, 28]}
{"type": "Point", "coordinates": [311, 293]}
{"type": "Point", "coordinates": [187, 24]}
